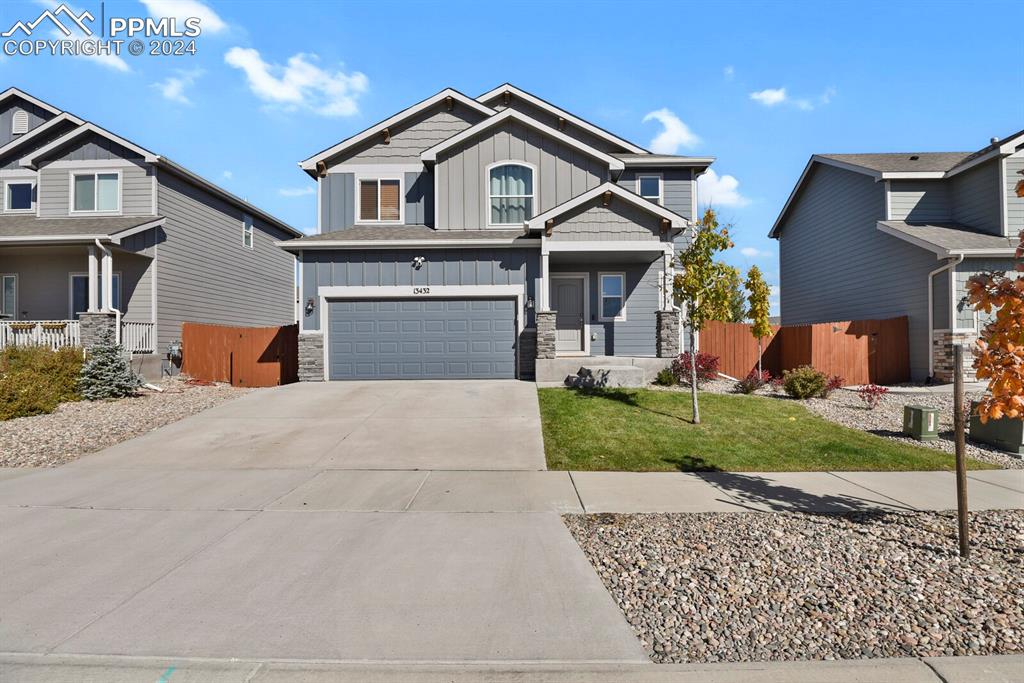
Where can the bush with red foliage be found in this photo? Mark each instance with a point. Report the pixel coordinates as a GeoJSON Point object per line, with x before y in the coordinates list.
{"type": "Point", "coordinates": [707, 367]}
{"type": "Point", "coordinates": [871, 395]}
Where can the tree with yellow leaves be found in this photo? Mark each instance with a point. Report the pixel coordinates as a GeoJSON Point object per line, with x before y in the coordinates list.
{"type": "Point", "coordinates": [760, 307]}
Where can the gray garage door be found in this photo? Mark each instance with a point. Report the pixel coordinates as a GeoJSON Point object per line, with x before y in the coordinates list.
{"type": "Point", "coordinates": [422, 339]}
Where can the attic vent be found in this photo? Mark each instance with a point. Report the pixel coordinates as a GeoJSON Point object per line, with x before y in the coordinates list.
{"type": "Point", "coordinates": [914, 157]}
{"type": "Point", "coordinates": [19, 124]}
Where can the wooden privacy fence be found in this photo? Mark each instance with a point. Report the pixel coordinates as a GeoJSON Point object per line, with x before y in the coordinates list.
{"type": "Point", "coordinates": [243, 356]}
{"type": "Point", "coordinates": [859, 351]}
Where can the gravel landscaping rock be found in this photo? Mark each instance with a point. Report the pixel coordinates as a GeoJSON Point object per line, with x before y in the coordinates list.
{"type": "Point", "coordinates": [742, 587]}
{"type": "Point", "coordinates": [81, 427]}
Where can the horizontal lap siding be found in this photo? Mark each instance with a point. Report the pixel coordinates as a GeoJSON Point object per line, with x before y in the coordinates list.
{"type": "Point", "coordinates": [360, 268]}
{"type": "Point", "coordinates": [836, 265]}
{"type": "Point", "coordinates": [965, 316]}
{"type": "Point", "coordinates": [205, 274]}
{"type": "Point", "coordinates": [975, 198]}
{"type": "Point", "coordinates": [919, 201]}
{"type": "Point", "coordinates": [1014, 204]}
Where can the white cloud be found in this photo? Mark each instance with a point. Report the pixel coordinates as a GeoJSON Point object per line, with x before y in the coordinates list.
{"type": "Point", "coordinates": [300, 84]}
{"type": "Point", "coordinates": [227, 175]}
{"type": "Point", "coordinates": [729, 72]}
{"type": "Point", "coordinates": [675, 133]}
{"type": "Point", "coordinates": [753, 252]}
{"type": "Point", "coordinates": [770, 96]}
{"type": "Point", "coordinates": [714, 190]}
{"type": "Point", "coordinates": [173, 87]}
{"type": "Point", "coordinates": [296, 191]}
{"type": "Point", "coordinates": [209, 21]}
{"type": "Point", "coordinates": [110, 61]}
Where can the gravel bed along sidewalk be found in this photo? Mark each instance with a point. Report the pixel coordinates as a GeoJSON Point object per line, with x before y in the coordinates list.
{"type": "Point", "coordinates": [744, 587]}
{"type": "Point", "coordinates": [81, 427]}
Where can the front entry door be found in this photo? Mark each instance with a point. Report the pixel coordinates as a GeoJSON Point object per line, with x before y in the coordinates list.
{"type": "Point", "coordinates": [567, 301]}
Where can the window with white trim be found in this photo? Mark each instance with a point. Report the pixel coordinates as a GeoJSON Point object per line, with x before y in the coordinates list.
{"type": "Point", "coordinates": [9, 296]}
{"type": "Point", "coordinates": [247, 239]}
{"type": "Point", "coordinates": [19, 195]}
{"type": "Point", "coordinates": [19, 122]}
{"type": "Point", "coordinates": [613, 296]}
{"type": "Point", "coordinates": [380, 200]}
{"type": "Point", "coordinates": [96, 192]}
{"type": "Point", "coordinates": [649, 187]}
{"type": "Point", "coordinates": [511, 194]}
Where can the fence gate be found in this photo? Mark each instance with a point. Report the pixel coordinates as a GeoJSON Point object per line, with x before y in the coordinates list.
{"type": "Point", "coordinates": [243, 356]}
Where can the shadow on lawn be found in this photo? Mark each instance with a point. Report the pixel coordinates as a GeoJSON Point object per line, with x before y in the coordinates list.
{"type": "Point", "coordinates": [624, 396]}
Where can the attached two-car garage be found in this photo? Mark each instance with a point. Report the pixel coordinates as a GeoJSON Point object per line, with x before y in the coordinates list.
{"type": "Point", "coordinates": [421, 338]}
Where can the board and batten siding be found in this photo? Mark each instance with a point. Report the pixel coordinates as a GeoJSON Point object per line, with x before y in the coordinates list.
{"type": "Point", "coordinates": [551, 120]}
{"type": "Point", "coordinates": [562, 172]}
{"type": "Point", "coordinates": [1014, 204]}
{"type": "Point", "coordinates": [206, 274]}
{"type": "Point", "coordinates": [836, 265]}
{"type": "Point", "coordinates": [12, 160]}
{"type": "Point", "coordinates": [637, 334]}
{"type": "Point", "coordinates": [337, 200]}
{"type": "Point", "coordinates": [677, 186]}
{"type": "Point", "coordinates": [975, 198]}
{"type": "Point", "coordinates": [36, 117]}
{"type": "Point", "coordinates": [919, 201]}
{"type": "Point", "coordinates": [394, 267]}
{"type": "Point", "coordinates": [618, 221]}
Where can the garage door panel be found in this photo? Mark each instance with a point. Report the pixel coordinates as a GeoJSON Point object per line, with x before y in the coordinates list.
{"type": "Point", "coordinates": [422, 339]}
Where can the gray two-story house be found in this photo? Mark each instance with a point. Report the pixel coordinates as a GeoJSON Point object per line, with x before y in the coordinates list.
{"type": "Point", "coordinates": [93, 223]}
{"type": "Point", "coordinates": [866, 236]}
{"type": "Point", "coordinates": [495, 237]}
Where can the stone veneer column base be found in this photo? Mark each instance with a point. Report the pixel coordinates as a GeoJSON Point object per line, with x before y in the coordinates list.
{"type": "Point", "coordinates": [92, 327]}
{"type": "Point", "coordinates": [668, 334]}
{"type": "Point", "coordinates": [311, 357]}
{"type": "Point", "coordinates": [546, 334]}
{"type": "Point", "coordinates": [942, 358]}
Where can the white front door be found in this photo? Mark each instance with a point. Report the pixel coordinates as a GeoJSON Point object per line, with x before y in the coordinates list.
{"type": "Point", "coordinates": [567, 301]}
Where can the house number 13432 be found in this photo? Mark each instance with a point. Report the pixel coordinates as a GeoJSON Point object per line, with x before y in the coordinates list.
{"type": "Point", "coordinates": [421, 290]}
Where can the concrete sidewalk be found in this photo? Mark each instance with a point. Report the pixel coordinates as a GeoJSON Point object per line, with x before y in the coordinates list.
{"type": "Point", "coordinates": [48, 668]}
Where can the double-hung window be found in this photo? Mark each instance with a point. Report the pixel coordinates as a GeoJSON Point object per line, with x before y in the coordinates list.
{"type": "Point", "coordinates": [18, 195]}
{"type": "Point", "coordinates": [247, 231]}
{"type": "Point", "coordinates": [613, 301]}
{"type": "Point", "coordinates": [96, 192]}
{"type": "Point", "coordinates": [511, 194]}
{"type": "Point", "coordinates": [380, 200]}
{"type": "Point", "coordinates": [8, 296]}
{"type": "Point", "coordinates": [649, 187]}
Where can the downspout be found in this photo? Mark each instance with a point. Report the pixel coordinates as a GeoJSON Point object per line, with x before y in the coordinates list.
{"type": "Point", "coordinates": [108, 291]}
{"type": "Point", "coordinates": [949, 266]}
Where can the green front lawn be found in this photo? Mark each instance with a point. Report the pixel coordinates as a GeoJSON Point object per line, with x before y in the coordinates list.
{"type": "Point", "coordinates": [644, 430]}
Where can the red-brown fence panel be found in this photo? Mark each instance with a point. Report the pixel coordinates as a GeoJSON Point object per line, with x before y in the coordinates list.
{"type": "Point", "coordinates": [243, 356]}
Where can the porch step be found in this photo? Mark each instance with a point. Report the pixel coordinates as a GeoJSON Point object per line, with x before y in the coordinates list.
{"type": "Point", "coordinates": [639, 370]}
{"type": "Point", "coordinates": [607, 376]}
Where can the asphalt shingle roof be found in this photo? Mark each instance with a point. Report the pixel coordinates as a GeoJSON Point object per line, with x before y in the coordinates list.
{"type": "Point", "coordinates": [31, 226]}
{"type": "Point", "coordinates": [952, 237]}
{"type": "Point", "coordinates": [903, 162]}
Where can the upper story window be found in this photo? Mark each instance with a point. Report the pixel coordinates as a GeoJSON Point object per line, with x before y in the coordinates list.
{"type": "Point", "coordinates": [96, 192]}
{"type": "Point", "coordinates": [380, 200]}
{"type": "Point", "coordinates": [511, 193]}
{"type": "Point", "coordinates": [247, 240]}
{"type": "Point", "coordinates": [649, 187]}
{"type": "Point", "coordinates": [18, 195]}
{"type": "Point", "coordinates": [19, 122]}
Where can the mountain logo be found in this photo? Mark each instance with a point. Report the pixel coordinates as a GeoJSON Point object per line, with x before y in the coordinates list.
{"type": "Point", "coordinates": [53, 17]}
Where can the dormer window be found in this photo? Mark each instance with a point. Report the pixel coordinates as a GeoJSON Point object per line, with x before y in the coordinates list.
{"type": "Point", "coordinates": [511, 193]}
{"type": "Point", "coordinates": [19, 122]}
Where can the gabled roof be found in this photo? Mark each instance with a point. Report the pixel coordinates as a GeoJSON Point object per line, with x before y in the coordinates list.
{"type": "Point", "coordinates": [1007, 145]}
{"type": "Point", "coordinates": [309, 164]}
{"type": "Point", "coordinates": [35, 132]}
{"type": "Point", "coordinates": [921, 165]}
{"type": "Point", "coordinates": [32, 158]}
{"type": "Point", "coordinates": [14, 92]}
{"type": "Point", "coordinates": [430, 155]}
{"type": "Point", "coordinates": [676, 222]}
{"type": "Point", "coordinates": [557, 111]}
{"type": "Point", "coordinates": [949, 239]}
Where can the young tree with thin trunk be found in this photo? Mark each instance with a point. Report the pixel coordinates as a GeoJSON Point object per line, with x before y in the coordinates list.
{"type": "Point", "coordinates": [759, 309]}
{"type": "Point", "coordinates": [703, 286]}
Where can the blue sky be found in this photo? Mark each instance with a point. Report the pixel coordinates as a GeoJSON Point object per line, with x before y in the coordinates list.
{"type": "Point", "coordinates": [760, 86]}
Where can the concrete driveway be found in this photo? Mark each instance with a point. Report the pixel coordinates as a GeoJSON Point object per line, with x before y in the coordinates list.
{"type": "Point", "coordinates": [282, 525]}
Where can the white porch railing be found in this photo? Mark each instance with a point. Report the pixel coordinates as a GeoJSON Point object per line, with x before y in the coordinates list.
{"type": "Point", "coordinates": [135, 337]}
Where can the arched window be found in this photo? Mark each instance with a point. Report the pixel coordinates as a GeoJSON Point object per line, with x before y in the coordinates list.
{"type": "Point", "coordinates": [511, 192]}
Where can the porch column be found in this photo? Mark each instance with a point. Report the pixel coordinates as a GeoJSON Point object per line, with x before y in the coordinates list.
{"type": "Point", "coordinates": [107, 264]}
{"type": "Point", "coordinates": [93, 304]}
{"type": "Point", "coordinates": [543, 303]}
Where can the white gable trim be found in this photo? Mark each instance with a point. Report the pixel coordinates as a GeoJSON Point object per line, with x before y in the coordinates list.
{"type": "Point", "coordinates": [30, 160]}
{"type": "Point", "coordinates": [14, 92]}
{"type": "Point", "coordinates": [310, 163]}
{"type": "Point", "coordinates": [42, 128]}
{"type": "Point", "coordinates": [675, 220]}
{"type": "Point", "coordinates": [430, 155]}
{"type": "Point", "coordinates": [575, 120]}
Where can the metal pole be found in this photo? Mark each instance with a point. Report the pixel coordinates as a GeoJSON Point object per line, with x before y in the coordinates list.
{"type": "Point", "coordinates": [961, 446]}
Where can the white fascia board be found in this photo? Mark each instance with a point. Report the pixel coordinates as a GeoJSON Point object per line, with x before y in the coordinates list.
{"type": "Point", "coordinates": [913, 175]}
{"type": "Point", "coordinates": [557, 111]}
{"type": "Point", "coordinates": [418, 244]}
{"type": "Point", "coordinates": [632, 246]}
{"type": "Point", "coordinates": [118, 236]}
{"type": "Point", "coordinates": [14, 92]}
{"type": "Point", "coordinates": [83, 129]}
{"type": "Point", "coordinates": [675, 220]}
{"type": "Point", "coordinates": [686, 162]}
{"type": "Point", "coordinates": [974, 253]}
{"type": "Point", "coordinates": [430, 155]}
{"type": "Point", "coordinates": [35, 132]}
{"type": "Point", "coordinates": [53, 239]}
{"type": "Point", "coordinates": [310, 163]}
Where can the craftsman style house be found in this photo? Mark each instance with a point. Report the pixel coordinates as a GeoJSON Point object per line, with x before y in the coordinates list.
{"type": "Point", "coordinates": [884, 235]}
{"type": "Point", "coordinates": [494, 237]}
{"type": "Point", "coordinates": [96, 228]}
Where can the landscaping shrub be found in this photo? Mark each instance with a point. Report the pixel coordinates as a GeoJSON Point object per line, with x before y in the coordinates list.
{"type": "Point", "coordinates": [753, 381]}
{"type": "Point", "coordinates": [665, 378]}
{"type": "Point", "coordinates": [871, 395]}
{"type": "Point", "coordinates": [34, 380]}
{"type": "Point", "coordinates": [834, 382]}
{"type": "Point", "coordinates": [106, 373]}
{"type": "Point", "coordinates": [707, 368]}
{"type": "Point", "coordinates": [804, 382]}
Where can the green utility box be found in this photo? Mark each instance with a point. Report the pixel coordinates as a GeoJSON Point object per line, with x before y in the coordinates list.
{"type": "Point", "coordinates": [1006, 434]}
{"type": "Point", "coordinates": [921, 422]}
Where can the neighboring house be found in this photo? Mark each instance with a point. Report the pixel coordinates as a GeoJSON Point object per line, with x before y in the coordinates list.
{"type": "Point", "coordinates": [92, 223]}
{"type": "Point", "coordinates": [495, 237]}
{"type": "Point", "coordinates": [866, 236]}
